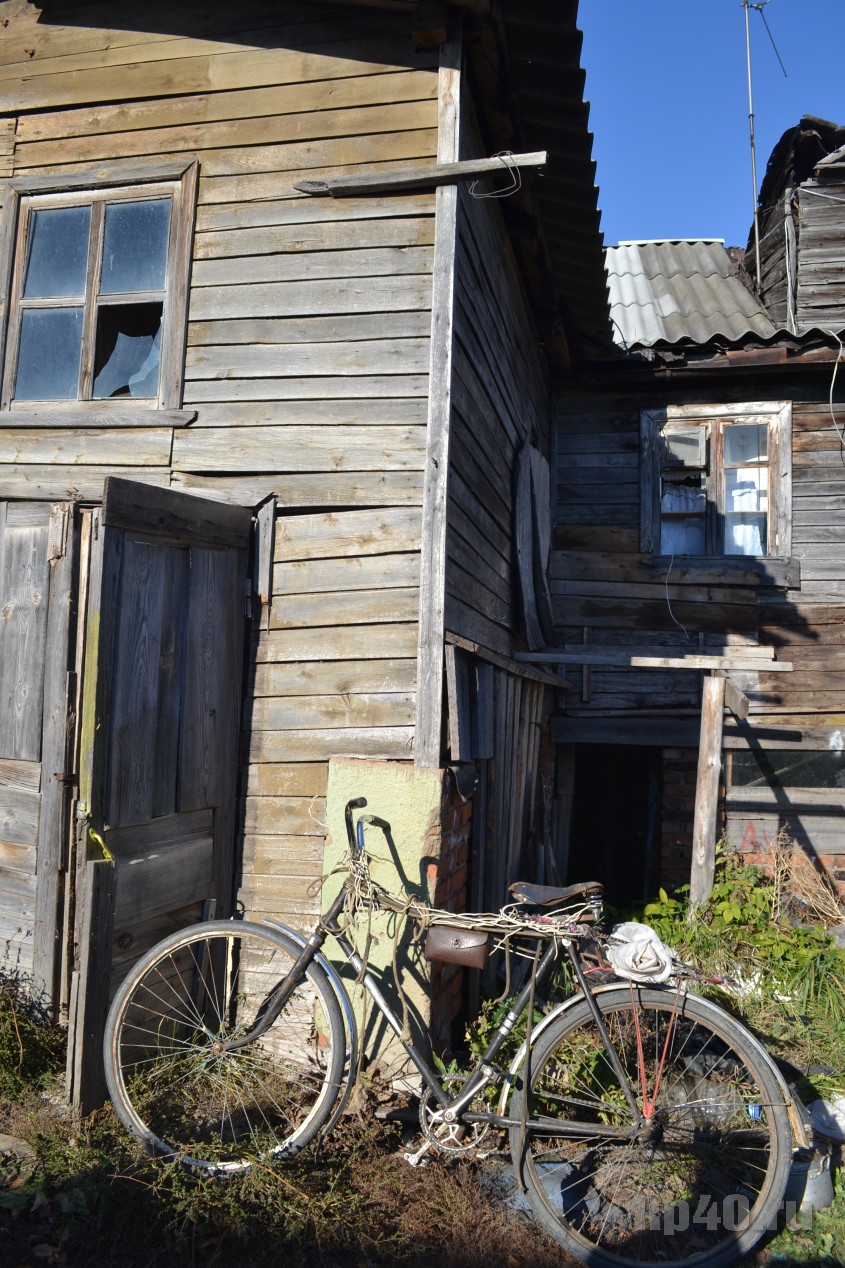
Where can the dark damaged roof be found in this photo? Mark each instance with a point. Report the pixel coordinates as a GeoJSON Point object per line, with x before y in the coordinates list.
{"type": "Point", "coordinates": [548, 112]}
{"type": "Point", "coordinates": [680, 291]}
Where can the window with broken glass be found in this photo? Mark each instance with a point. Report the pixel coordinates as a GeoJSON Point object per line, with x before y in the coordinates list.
{"type": "Point", "coordinates": [91, 314]}
{"type": "Point", "coordinates": [717, 484]}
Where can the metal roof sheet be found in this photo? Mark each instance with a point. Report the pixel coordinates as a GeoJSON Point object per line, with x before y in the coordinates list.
{"type": "Point", "coordinates": [675, 291]}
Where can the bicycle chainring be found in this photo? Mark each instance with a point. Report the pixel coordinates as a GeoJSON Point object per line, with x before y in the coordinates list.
{"type": "Point", "coordinates": [456, 1137]}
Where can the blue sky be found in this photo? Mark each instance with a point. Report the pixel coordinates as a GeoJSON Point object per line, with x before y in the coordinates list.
{"type": "Point", "coordinates": [668, 94]}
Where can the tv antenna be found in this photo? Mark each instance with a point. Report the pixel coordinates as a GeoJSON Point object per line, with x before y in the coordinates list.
{"type": "Point", "coordinates": [759, 5]}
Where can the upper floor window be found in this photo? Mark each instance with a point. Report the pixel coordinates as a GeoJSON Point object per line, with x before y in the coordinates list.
{"type": "Point", "coordinates": [716, 480]}
{"type": "Point", "coordinates": [98, 295]}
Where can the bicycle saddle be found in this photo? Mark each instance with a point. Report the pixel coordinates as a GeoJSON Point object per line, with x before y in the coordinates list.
{"type": "Point", "coordinates": [548, 895]}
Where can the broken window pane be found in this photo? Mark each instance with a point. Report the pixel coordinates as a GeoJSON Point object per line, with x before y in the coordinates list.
{"type": "Point", "coordinates": [58, 253]}
{"type": "Point", "coordinates": [683, 503]}
{"type": "Point", "coordinates": [128, 350]}
{"type": "Point", "coordinates": [48, 360]}
{"type": "Point", "coordinates": [135, 247]}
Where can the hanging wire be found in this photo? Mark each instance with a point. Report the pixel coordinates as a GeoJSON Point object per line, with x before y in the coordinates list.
{"type": "Point", "coordinates": [509, 163]}
{"type": "Point", "coordinates": [669, 605]}
{"type": "Point", "coordinates": [840, 356]}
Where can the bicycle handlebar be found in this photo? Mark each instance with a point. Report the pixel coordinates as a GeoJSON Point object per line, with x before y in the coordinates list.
{"type": "Point", "coordinates": [357, 803]}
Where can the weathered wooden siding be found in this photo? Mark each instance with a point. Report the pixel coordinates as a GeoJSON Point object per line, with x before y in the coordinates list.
{"type": "Point", "coordinates": [307, 348]}
{"type": "Point", "coordinates": [821, 260]}
{"type": "Point", "coordinates": [500, 402]}
{"type": "Point", "coordinates": [608, 595]}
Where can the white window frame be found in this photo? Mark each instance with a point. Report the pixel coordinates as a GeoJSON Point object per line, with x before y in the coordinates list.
{"type": "Point", "coordinates": [777, 417]}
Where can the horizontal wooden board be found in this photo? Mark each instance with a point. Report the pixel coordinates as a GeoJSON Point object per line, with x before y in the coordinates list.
{"type": "Point", "coordinates": [62, 483]}
{"type": "Point", "coordinates": [19, 813]}
{"type": "Point", "coordinates": [364, 642]}
{"type": "Point", "coordinates": [381, 742]}
{"type": "Point", "coordinates": [351, 262]}
{"type": "Point", "coordinates": [111, 78]}
{"type": "Point", "coordinates": [18, 858]}
{"type": "Point", "coordinates": [222, 137]}
{"type": "Point", "coordinates": [332, 235]}
{"type": "Point", "coordinates": [160, 882]}
{"type": "Point", "coordinates": [309, 298]}
{"type": "Point", "coordinates": [300, 449]}
{"type": "Point", "coordinates": [297, 816]}
{"type": "Point", "coordinates": [393, 144]}
{"type": "Point", "coordinates": [367, 572]}
{"type": "Point", "coordinates": [15, 773]}
{"type": "Point", "coordinates": [82, 446]}
{"type": "Point", "coordinates": [356, 607]}
{"type": "Point", "coordinates": [297, 713]}
{"type": "Point", "coordinates": [358, 357]}
{"type": "Point", "coordinates": [273, 855]}
{"type": "Point", "coordinates": [653, 614]}
{"type": "Point", "coordinates": [632, 568]}
{"type": "Point", "coordinates": [314, 413]}
{"type": "Point", "coordinates": [16, 887]}
{"type": "Point", "coordinates": [358, 488]}
{"type": "Point", "coordinates": [298, 209]}
{"type": "Point", "coordinates": [253, 188]}
{"type": "Point", "coordinates": [347, 533]}
{"type": "Point", "coordinates": [310, 330]}
{"type": "Point", "coordinates": [213, 108]}
{"type": "Point", "coordinates": [291, 779]}
{"type": "Point", "coordinates": [342, 678]}
{"type": "Point", "coordinates": [362, 386]}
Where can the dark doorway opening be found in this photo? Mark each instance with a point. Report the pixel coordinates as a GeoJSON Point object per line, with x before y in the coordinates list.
{"type": "Point", "coordinates": [615, 835]}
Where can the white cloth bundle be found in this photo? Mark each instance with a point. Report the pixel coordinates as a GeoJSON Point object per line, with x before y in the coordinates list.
{"type": "Point", "coordinates": [636, 952]}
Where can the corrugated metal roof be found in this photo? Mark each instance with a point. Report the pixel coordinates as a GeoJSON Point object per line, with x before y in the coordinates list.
{"type": "Point", "coordinates": [670, 292]}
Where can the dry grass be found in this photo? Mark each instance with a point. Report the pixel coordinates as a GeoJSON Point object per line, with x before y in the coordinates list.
{"type": "Point", "coordinates": [801, 889]}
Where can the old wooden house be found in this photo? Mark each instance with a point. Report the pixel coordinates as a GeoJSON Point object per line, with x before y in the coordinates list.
{"type": "Point", "coordinates": [276, 345]}
{"type": "Point", "coordinates": [699, 557]}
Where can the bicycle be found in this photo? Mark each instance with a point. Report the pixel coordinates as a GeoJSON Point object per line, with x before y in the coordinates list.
{"type": "Point", "coordinates": [645, 1123]}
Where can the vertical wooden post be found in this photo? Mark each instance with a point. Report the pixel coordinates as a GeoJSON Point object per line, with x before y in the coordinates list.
{"type": "Point", "coordinates": [429, 714]}
{"type": "Point", "coordinates": [707, 791]}
{"type": "Point", "coordinates": [86, 1079]}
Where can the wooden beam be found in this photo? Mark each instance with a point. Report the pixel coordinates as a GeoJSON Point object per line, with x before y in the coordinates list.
{"type": "Point", "coordinates": [512, 665]}
{"type": "Point", "coordinates": [734, 662]}
{"type": "Point", "coordinates": [736, 700]}
{"type": "Point", "coordinates": [432, 599]}
{"type": "Point", "coordinates": [438, 174]}
{"type": "Point", "coordinates": [707, 791]}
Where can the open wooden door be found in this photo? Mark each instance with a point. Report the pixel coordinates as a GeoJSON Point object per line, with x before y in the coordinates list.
{"type": "Point", "coordinates": [161, 704]}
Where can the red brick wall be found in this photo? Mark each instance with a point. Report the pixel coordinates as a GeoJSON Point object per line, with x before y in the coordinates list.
{"type": "Point", "coordinates": [680, 767]}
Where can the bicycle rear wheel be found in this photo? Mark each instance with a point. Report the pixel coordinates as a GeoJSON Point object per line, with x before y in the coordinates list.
{"type": "Point", "coordinates": [696, 1176]}
{"type": "Point", "coordinates": [188, 1097]}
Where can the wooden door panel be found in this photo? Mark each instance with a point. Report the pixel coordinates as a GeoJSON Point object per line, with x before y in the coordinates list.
{"type": "Point", "coordinates": [161, 715]}
{"type": "Point", "coordinates": [33, 710]}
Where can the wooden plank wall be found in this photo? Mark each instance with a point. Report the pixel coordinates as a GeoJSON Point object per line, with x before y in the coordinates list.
{"type": "Point", "coordinates": [307, 349]}
{"type": "Point", "coordinates": [500, 399]}
{"type": "Point", "coordinates": [821, 263]}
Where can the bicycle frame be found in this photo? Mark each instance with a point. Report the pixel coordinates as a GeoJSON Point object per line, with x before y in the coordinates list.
{"type": "Point", "coordinates": [484, 1072]}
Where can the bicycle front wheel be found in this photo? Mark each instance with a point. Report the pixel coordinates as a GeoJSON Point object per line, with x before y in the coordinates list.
{"type": "Point", "coordinates": [694, 1175]}
{"type": "Point", "coordinates": [177, 1085]}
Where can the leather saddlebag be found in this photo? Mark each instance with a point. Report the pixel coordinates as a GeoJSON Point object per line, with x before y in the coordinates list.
{"type": "Point", "coordinates": [457, 946]}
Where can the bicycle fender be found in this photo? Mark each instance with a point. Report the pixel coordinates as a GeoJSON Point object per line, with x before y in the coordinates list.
{"type": "Point", "coordinates": [348, 1015]}
{"type": "Point", "coordinates": [798, 1129]}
